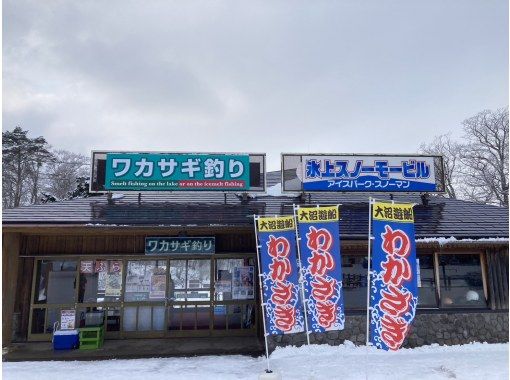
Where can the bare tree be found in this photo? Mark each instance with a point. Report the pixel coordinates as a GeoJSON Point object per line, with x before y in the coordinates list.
{"type": "Point", "coordinates": [485, 157]}
{"type": "Point", "coordinates": [451, 151]}
{"type": "Point", "coordinates": [63, 172]}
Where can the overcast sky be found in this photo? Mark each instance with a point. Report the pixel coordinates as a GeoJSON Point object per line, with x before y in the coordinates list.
{"type": "Point", "coordinates": [251, 76]}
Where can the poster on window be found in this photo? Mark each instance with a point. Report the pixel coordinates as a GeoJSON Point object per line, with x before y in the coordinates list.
{"type": "Point", "coordinates": [223, 286]}
{"type": "Point", "coordinates": [137, 284]}
{"type": "Point", "coordinates": [67, 319]}
{"type": "Point", "coordinates": [101, 268]}
{"type": "Point", "coordinates": [243, 284]}
{"type": "Point", "coordinates": [319, 248]}
{"type": "Point", "coordinates": [157, 286]}
{"type": "Point", "coordinates": [101, 281]}
{"type": "Point", "coordinates": [113, 286]}
{"type": "Point", "coordinates": [279, 275]}
{"type": "Point", "coordinates": [394, 289]}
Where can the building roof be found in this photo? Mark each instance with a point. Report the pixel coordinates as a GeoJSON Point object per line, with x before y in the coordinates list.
{"type": "Point", "coordinates": [441, 217]}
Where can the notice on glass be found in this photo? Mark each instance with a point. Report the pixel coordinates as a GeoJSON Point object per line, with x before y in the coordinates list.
{"type": "Point", "coordinates": [157, 286]}
{"type": "Point", "coordinates": [67, 319]}
{"type": "Point", "coordinates": [223, 286]}
{"type": "Point", "coordinates": [113, 284]}
{"type": "Point", "coordinates": [242, 287]}
{"type": "Point", "coordinates": [101, 281]}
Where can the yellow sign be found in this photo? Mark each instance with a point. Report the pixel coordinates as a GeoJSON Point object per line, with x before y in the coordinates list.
{"type": "Point", "coordinates": [277, 223]}
{"type": "Point", "coordinates": [394, 212]}
{"type": "Point", "coordinates": [318, 214]}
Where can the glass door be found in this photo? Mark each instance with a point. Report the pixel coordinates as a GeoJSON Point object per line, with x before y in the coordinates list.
{"type": "Point", "coordinates": [145, 298]}
{"type": "Point", "coordinates": [189, 297]}
{"type": "Point", "coordinates": [234, 303]}
{"type": "Point", "coordinates": [53, 290]}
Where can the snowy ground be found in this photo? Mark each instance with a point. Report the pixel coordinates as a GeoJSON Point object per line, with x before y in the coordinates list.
{"type": "Point", "coordinates": [470, 361]}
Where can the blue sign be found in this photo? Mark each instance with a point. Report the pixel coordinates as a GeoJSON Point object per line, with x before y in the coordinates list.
{"type": "Point", "coordinates": [179, 245]}
{"type": "Point", "coordinates": [319, 248]}
{"type": "Point", "coordinates": [279, 275]}
{"type": "Point", "coordinates": [394, 289]}
{"type": "Point", "coordinates": [177, 171]}
{"type": "Point", "coordinates": [369, 173]}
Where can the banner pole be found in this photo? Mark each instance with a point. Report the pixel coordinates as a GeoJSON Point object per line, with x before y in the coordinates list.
{"type": "Point", "coordinates": [369, 268]}
{"type": "Point", "coordinates": [255, 219]}
{"type": "Point", "coordinates": [301, 276]}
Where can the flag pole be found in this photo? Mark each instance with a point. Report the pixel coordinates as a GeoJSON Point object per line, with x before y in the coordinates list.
{"type": "Point", "coordinates": [262, 304]}
{"type": "Point", "coordinates": [370, 202]}
{"type": "Point", "coordinates": [367, 342]}
{"type": "Point", "coordinates": [301, 275]}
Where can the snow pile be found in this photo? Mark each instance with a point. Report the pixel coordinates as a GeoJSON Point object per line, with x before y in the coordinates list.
{"type": "Point", "coordinates": [276, 191]}
{"type": "Point", "coordinates": [451, 239]}
{"type": "Point", "coordinates": [315, 362]}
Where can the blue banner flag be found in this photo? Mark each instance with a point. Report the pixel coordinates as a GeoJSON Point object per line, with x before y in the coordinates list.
{"type": "Point", "coordinates": [279, 275]}
{"type": "Point", "coordinates": [393, 290]}
{"type": "Point", "coordinates": [319, 248]}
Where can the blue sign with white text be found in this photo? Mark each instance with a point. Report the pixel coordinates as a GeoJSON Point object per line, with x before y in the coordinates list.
{"type": "Point", "coordinates": [369, 173]}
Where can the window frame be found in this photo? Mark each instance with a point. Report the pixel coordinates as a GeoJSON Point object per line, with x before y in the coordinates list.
{"type": "Point", "coordinates": [121, 304]}
{"type": "Point", "coordinates": [483, 270]}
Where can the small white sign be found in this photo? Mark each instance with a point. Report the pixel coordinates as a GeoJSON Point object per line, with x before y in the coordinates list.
{"type": "Point", "coordinates": [67, 319]}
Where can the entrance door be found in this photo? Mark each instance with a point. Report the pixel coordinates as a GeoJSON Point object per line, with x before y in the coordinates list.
{"type": "Point", "coordinates": [145, 298]}
{"type": "Point", "coordinates": [189, 297]}
{"type": "Point", "coordinates": [212, 297]}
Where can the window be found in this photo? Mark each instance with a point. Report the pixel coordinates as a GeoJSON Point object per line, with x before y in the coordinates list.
{"type": "Point", "coordinates": [235, 279]}
{"type": "Point", "coordinates": [461, 281]}
{"type": "Point", "coordinates": [426, 281]}
{"type": "Point", "coordinates": [55, 282]}
{"type": "Point", "coordinates": [145, 280]}
{"type": "Point", "coordinates": [354, 280]}
{"type": "Point", "coordinates": [190, 280]}
{"type": "Point", "coordinates": [100, 281]}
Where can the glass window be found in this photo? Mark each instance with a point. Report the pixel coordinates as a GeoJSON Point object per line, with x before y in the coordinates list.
{"type": "Point", "coordinates": [461, 281]}
{"type": "Point", "coordinates": [190, 280]}
{"type": "Point", "coordinates": [145, 280]}
{"type": "Point", "coordinates": [55, 282]}
{"type": "Point", "coordinates": [100, 281]}
{"type": "Point", "coordinates": [426, 281]}
{"type": "Point", "coordinates": [234, 279]}
{"type": "Point", "coordinates": [178, 274]}
{"type": "Point", "coordinates": [354, 281]}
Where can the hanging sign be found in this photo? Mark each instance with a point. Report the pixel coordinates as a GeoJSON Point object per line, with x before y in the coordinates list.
{"type": "Point", "coordinates": [362, 173]}
{"type": "Point", "coordinates": [393, 290]}
{"type": "Point", "coordinates": [178, 245]}
{"type": "Point", "coordinates": [279, 275]}
{"type": "Point", "coordinates": [319, 248]}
